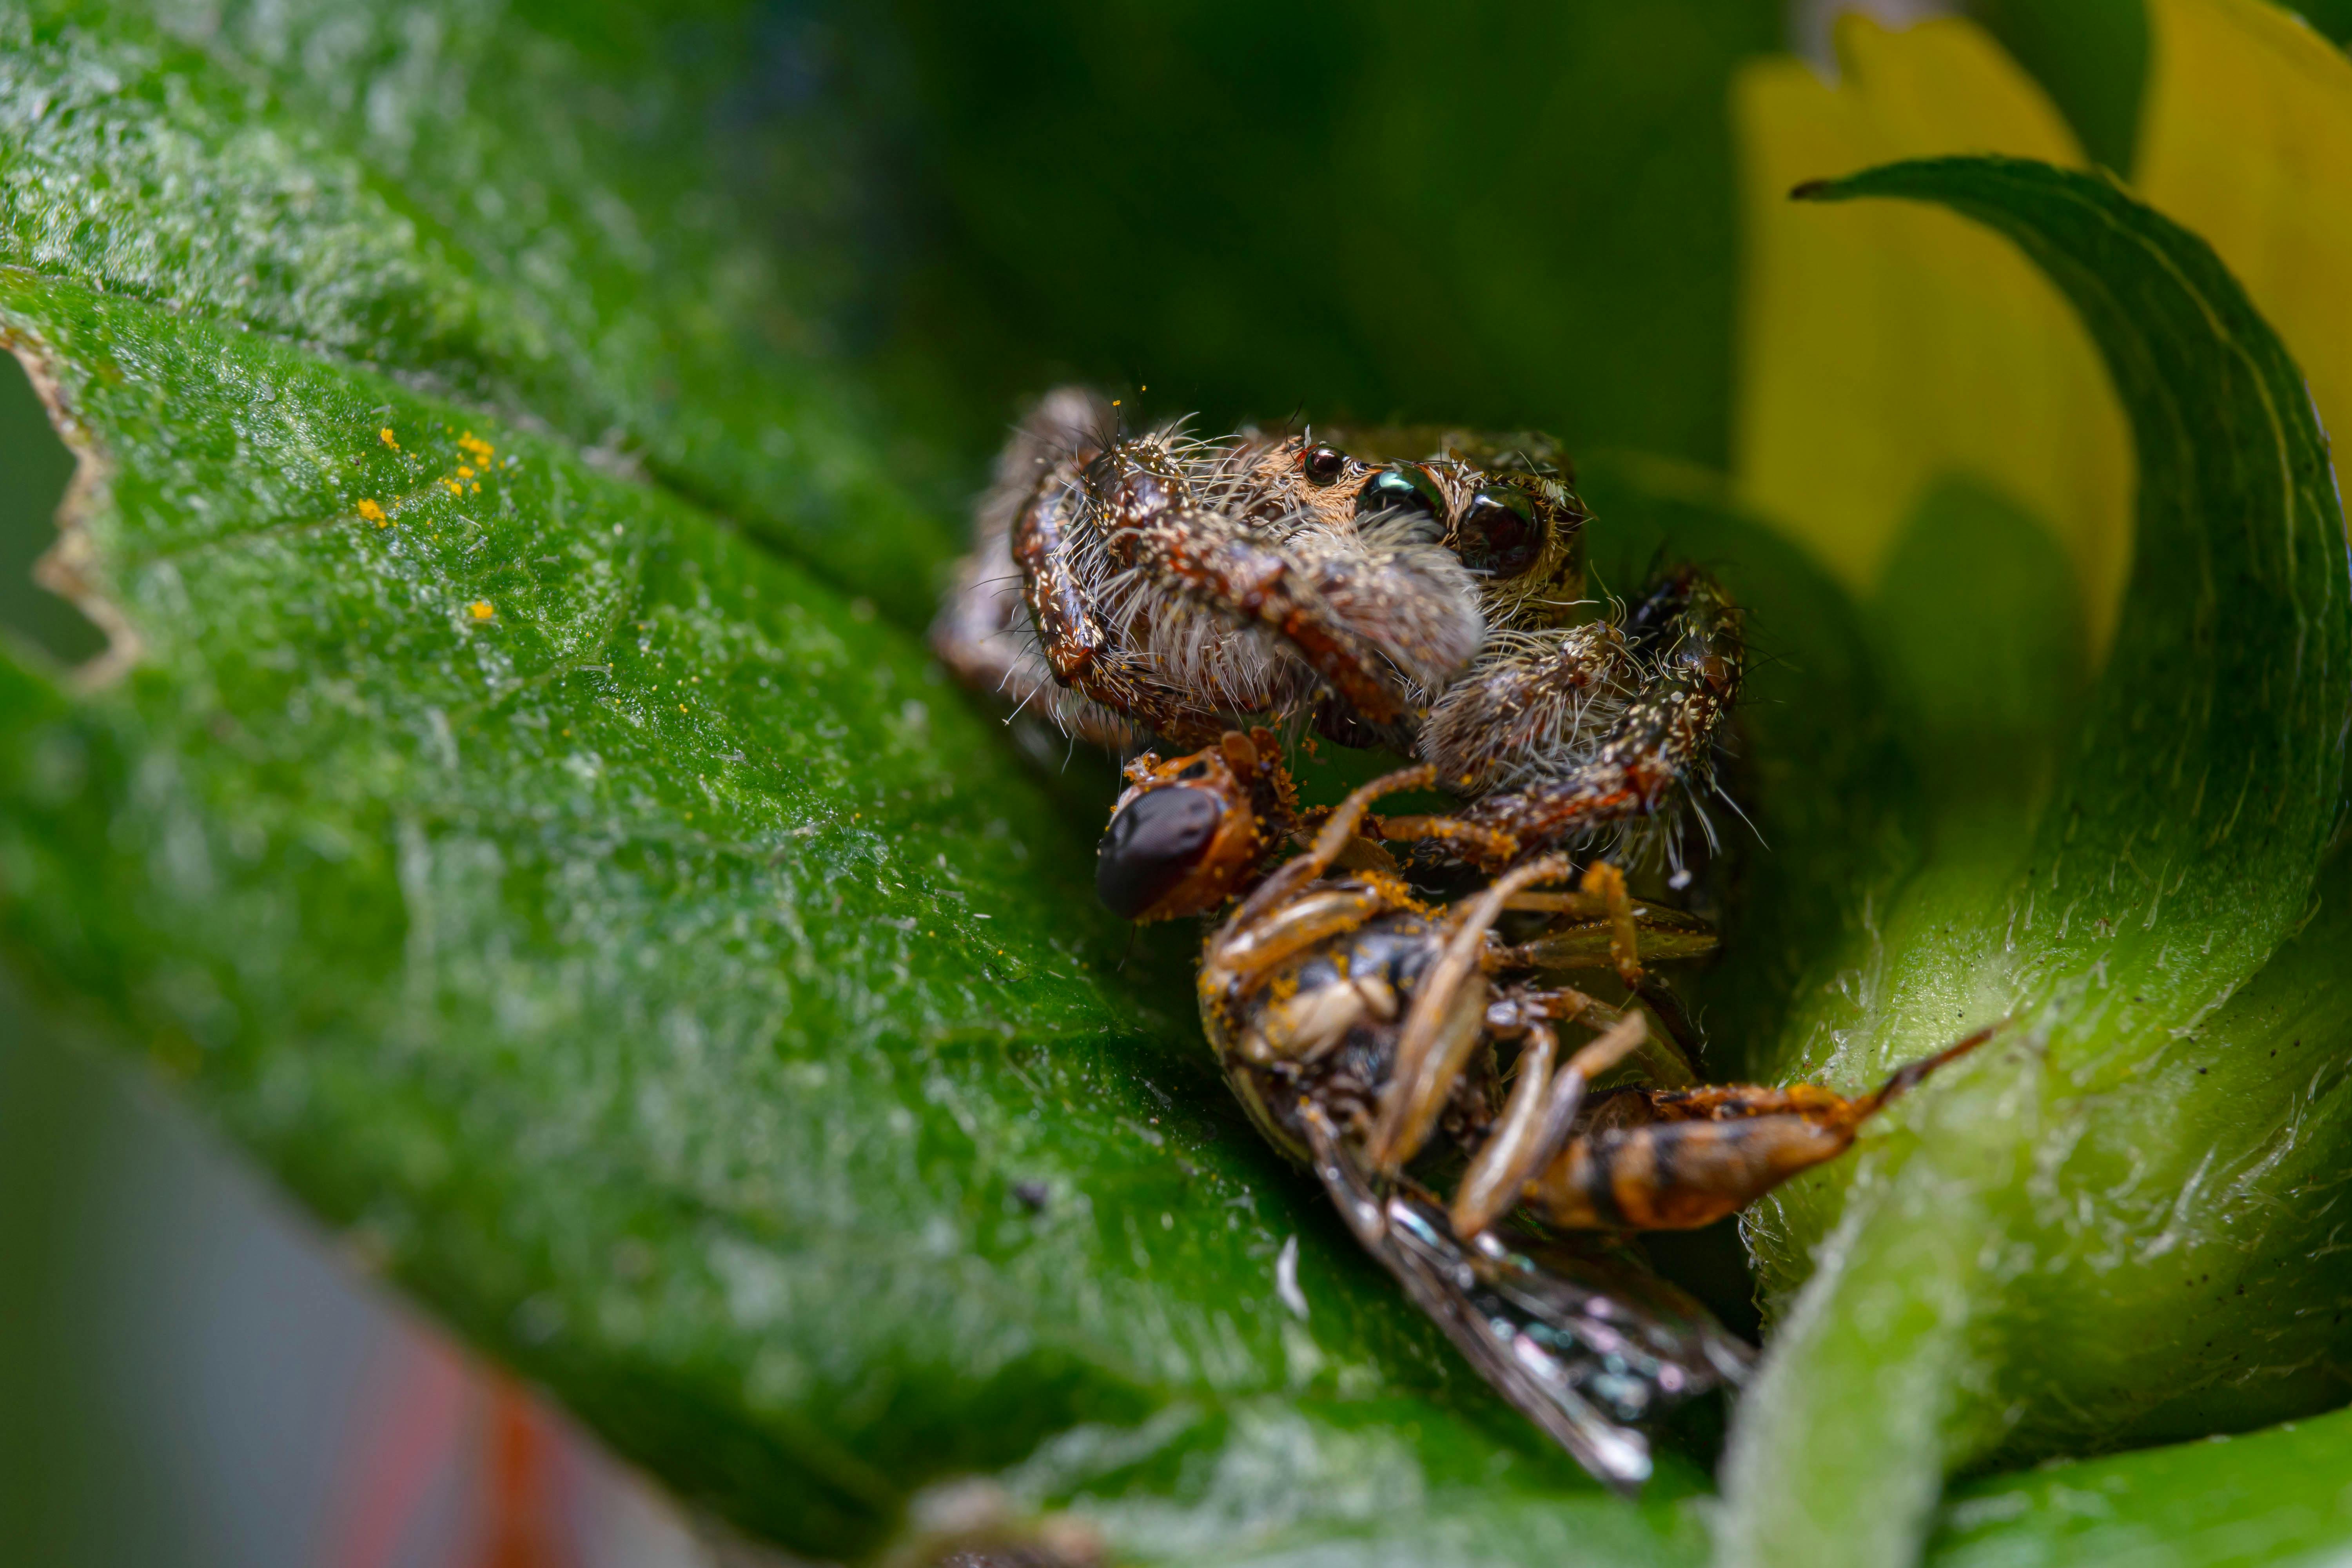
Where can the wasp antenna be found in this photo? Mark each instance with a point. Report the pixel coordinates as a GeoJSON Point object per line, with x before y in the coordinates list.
{"type": "Point", "coordinates": [1911, 1074]}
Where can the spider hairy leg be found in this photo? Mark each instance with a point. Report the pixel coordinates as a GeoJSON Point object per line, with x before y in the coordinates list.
{"type": "Point", "coordinates": [983, 632]}
{"type": "Point", "coordinates": [1078, 646]}
{"type": "Point", "coordinates": [1686, 638]}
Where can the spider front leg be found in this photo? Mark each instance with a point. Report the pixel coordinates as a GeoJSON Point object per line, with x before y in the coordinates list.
{"type": "Point", "coordinates": [1045, 541]}
{"type": "Point", "coordinates": [1629, 715]}
{"type": "Point", "coordinates": [984, 631]}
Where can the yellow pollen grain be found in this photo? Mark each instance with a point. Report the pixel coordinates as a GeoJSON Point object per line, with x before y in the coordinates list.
{"type": "Point", "coordinates": [454, 488]}
{"type": "Point", "coordinates": [481, 609]}
{"type": "Point", "coordinates": [384, 436]}
{"type": "Point", "coordinates": [373, 513]}
{"type": "Point", "coordinates": [464, 472]}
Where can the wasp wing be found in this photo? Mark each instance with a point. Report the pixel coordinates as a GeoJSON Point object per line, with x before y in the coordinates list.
{"type": "Point", "coordinates": [1584, 1344]}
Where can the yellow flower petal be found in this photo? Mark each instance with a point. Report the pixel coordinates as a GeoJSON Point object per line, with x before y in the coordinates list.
{"type": "Point", "coordinates": [2246, 137]}
{"type": "Point", "coordinates": [1884, 347]}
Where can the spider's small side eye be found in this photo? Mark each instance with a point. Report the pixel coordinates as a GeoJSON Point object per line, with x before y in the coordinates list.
{"type": "Point", "coordinates": [1404, 488]}
{"type": "Point", "coordinates": [1502, 534]}
{"type": "Point", "coordinates": [1323, 465]}
{"type": "Point", "coordinates": [1153, 845]}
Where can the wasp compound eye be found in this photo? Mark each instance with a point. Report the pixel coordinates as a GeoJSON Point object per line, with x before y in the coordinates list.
{"type": "Point", "coordinates": [1502, 534]}
{"type": "Point", "coordinates": [1323, 465]}
{"type": "Point", "coordinates": [1151, 845]}
{"type": "Point", "coordinates": [1406, 488]}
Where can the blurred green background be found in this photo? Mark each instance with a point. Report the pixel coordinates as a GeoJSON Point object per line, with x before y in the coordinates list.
{"type": "Point", "coordinates": [1513, 215]}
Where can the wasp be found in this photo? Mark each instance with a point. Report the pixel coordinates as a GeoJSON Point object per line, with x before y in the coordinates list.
{"type": "Point", "coordinates": [1365, 1031]}
{"type": "Point", "coordinates": [1419, 590]}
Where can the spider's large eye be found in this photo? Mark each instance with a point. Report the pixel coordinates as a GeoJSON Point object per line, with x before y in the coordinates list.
{"type": "Point", "coordinates": [1502, 534]}
{"type": "Point", "coordinates": [1323, 465]}
{"type": "Point", "coordinates": [1151, 845]}
{"type": "Point", "coordinates": [1403, 489]}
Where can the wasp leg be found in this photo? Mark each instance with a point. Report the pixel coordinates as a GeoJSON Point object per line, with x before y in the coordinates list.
{"type": "Point", "coordinates": [1521, 1006]}
{"type": "Point", "coordinates": [1607, 883]}
{"type": "Point", "coordinates": [1468, 841]}
{"type": "Point", "coordinates": [1681, 1036]}
{"type": "Point", "coordinates": [1446, 1021]}
{"type": "Point", "coordinates": [1252, 950]}
{"type": "Point", "coordinates": [1663, 934]}
{"type": "Point", "coordinates": [1336, 831]}
{"type": "Point", "coordinates": [1535, 1122]}
{"type": "Point", "coordinates": [1663, 738]}
{"type": "Point", "coordinates": [1678, 1159]}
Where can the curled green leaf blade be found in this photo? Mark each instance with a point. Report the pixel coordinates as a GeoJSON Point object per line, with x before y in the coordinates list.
{"type": "Point", "coordinates": [2028, 1260]}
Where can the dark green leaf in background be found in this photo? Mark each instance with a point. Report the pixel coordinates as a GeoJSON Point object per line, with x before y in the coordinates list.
{"type": "Point", "coordinates": [1519, 216]}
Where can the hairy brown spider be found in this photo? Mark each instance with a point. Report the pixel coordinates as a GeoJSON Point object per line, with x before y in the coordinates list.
{"type": "Point", "coordinates": [1420, 590]}
{"type": "Point", "coordinates": [1358, 1026]}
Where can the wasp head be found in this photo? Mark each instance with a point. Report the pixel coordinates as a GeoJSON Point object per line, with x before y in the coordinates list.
{"type": "Point", "coordinates": [1189, 832]}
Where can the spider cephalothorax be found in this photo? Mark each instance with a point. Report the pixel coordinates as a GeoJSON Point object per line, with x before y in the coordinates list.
{"type": "Point", "coordinates": [1419, 589]}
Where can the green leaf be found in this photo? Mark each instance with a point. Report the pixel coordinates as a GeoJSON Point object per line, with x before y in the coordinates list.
{"type": "Point", "coordinates": [2272, 1498]}
{"type": "Point", "coordinates": [658, 970]}
{"type": "Point", "coordinates": [2086, 1237]}
{"type": "Point", "coordinates": [570, 1034]}
{"type": "Point", "coordinates": [529, 215]}
{"type": "Point", "coordinates": [638, 951]}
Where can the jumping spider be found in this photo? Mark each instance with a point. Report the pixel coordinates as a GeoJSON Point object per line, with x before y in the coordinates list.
{"type": "Point", "coordinates": [1420, 590]}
